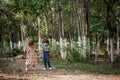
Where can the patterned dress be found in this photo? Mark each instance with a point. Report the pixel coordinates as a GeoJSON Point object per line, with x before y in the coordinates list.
{"type": "Point", "coordinates": [31, 57]}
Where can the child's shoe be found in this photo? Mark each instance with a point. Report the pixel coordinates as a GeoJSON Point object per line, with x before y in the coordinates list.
{"type": "Point", "coordinates": [44, 68]}
{"type": "Point", "coordinates": [50, 68]}
{"type": "Point", "coordinates": [26, 69]}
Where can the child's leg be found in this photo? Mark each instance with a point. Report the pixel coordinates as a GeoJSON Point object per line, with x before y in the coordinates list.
{"type": "Point", "coordinates": [33, 66]}
{"type": "Point", "coordinates": [48, 60]}
{"type": "Point", "coordinates": [44, 60]}
{"type": "Point", "coordinates": [26, 67]}
{"type": "Point", "coordinates": [49, 65]}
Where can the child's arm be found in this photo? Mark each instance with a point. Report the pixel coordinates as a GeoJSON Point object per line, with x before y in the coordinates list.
{"type": "Point", "coordinates": [36, 50]}
{"type": "Point", "coordinates": [42, 49]}
{"type": "Point", "coordinates": [28, 51]}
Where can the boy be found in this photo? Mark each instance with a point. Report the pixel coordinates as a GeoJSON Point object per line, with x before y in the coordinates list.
{"type": "Point", "coordinates": [46, 51]}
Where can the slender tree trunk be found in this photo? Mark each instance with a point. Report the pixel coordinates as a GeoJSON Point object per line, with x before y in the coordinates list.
{"type": "Point", "coordinates": [86, 39]}
{"type": "Point", "coordinates": [46, 26]}
{"type": "Point", "coordinates": [39, 38]}
{"type": "Point", "coordinates": [111, 50]}
{"type": "Point", "coordinates": [109, 6]}
{"type": "Point", "coordinates": [22, 34]}
{"type": "Point", "coordinates": [97, 49]}
{"type": "Point", "coordinates": [108, 46]}
{"type": "Point", "coordinates": [11, 44]}
{"type": "Point", "coordinates": [1, 41]}
{"type": "Point", "coordinates": [118, 40]}
{"type": "Point", "coordinates": [62, 37]}
{"type": "Point", "coordinates": [53, 35]}
{"type": "Point", "coordinates": [78, 20]}
{"type": "Point", "coordinates": [19, 38]}
{"type": "Point", "coordinates": [53, 30]}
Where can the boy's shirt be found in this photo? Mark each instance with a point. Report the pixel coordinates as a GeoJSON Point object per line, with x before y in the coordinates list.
{"type": "Point", "coordinates": [46, 48]}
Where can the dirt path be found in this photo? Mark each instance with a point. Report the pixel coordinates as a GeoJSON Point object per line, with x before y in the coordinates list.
{"type": "Point", "coordinates": [15, 71]}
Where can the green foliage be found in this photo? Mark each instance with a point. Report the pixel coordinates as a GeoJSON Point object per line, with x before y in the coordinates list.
{"type": "Point", "coordinates": [55, 52]}
{"type": "Point", "coordinates": [87, 67]}
{"type": "Point", "coordinates": [102, 69]}
{"type": "Point", "coordinates": [117, 62]}
{"type": "Point", "coordinates": [17, 13]}
{"type": "Point", "coordinates": [12, 53]}
{"type": "Point", "coordinates": [75, 55]}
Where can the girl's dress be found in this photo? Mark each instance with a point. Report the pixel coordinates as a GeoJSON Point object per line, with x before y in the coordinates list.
{"type": "Point", "coordinates": [31, 57]}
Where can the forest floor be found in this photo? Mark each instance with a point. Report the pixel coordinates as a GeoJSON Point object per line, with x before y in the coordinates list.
{"type": "Point", "coordinates": [16, 71]}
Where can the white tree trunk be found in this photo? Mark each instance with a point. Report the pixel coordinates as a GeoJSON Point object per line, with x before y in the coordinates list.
{"type": "Point", "coordinates": [15, 45]}
{"type": "Point", "coordinates": [79, 44]}
{"type": "Point", "coordinates": [88, 45]}
{"type": "Point", "coordinates": [22, 41]}
{"type": "Point", "coordinates": [71, 44]}
{"type": "Point", "coordinates": [79, 41]}
{"type": "Point", "coordinates": [84, 46]}
{"type": "Point", "coordinates": [46, 27]}
{"type": "Point", "coordinates": [11, 44]}
{"type": "Point", "coordinates": [39, 38]}
{"type": "Point", "coordinates": [118, 40]}
{"type": "Point", "coordinates": [108, 48]}
{"type": "Point", "coordinates": [61, 47]}
{"type": "Point", "coordinates": [97, 50]}
{"type": "Point", "coordinates": [19, 44]}
{"type": "Point", "coordinates": [63, 44]}
{"type": "Point", "coordinates": [24, 45]}
{"type": "Point", "coordinates": [93, 49]}
{"type": "Point", "coordinates": [53, 42]}
{"type": "Point", "coordinates": [111, 50]}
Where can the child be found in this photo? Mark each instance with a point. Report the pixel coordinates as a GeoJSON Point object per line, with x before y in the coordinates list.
{"type": "Point", "coordinates": [46, 51]}
{"type": "Point", "coordinates": [31, 56]}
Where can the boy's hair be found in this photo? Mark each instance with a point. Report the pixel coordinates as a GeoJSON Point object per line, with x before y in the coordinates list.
{"type": "Point", "coordinates": [46, 41]}
{"type": "Point", "coordinates": [31, 43]}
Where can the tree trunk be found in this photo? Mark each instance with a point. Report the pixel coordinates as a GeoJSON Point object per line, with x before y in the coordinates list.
{"type": "Point", "coordinates": [111, 50]}
{"type": "Point", "coordinates": [108, 46]}
{"type": "Point", "coordinates": [62, 44]}
{"type": "Point", "coordinates": [11, 44]}
{"type": "Point", "coordinates": [46, 26]}
{"type": "Point", "coordinates": [118, 40]}
{"type": "Point", "coordinates": [39, 38]}
{"type": "Point", "coordinates": [109, 6]}
{"type": "Point", "coordinates": [22, 34]}
{"type": "Point", "coordinates": [53, 30]}
{"type": "Point", "coordinates": [97, 49]}
{"type": "Point", "coordinates": [78, 20]}
{"type": "Point", "coordinates": [86, 38]}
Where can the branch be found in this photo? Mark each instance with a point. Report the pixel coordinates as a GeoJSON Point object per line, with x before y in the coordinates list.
{"type": "Point", "coordinates": [10, 18]}
{"type": "Point", "coordinates": [110, 8]}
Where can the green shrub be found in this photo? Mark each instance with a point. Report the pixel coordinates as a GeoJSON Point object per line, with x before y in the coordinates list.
{"type": "Point", "coordinates": [117, 62]}
{"type": "Point", "coordinates": [55, 52]}
{"type": "Point", "coordinates": [12, 53]}
{"type": "Point", "coordinates": [75, 55]}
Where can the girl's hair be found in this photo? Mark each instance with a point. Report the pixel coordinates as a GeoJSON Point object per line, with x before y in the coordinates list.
{"type": "Point", "coordinates": [31, 43]}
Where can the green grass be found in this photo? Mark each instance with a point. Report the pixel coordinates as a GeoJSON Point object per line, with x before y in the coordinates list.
{"type": "Point", "coordinates": [87, 67]}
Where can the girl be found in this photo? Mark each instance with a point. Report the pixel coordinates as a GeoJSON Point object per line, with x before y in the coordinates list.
{"type": "Point", "coordinates": [31, 56]}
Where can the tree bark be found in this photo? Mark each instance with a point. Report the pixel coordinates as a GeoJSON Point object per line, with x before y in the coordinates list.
{"type": "Point", "coordinates": [110, 28]}
{"type": "Point", "coordinates": [118, 40]}
{"type": "Point", "coordinates": [86, 39]}
{"type": "Point", "coordinates": [39, 38]}
{"type": "Point", "coordinates": [62, 37]}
